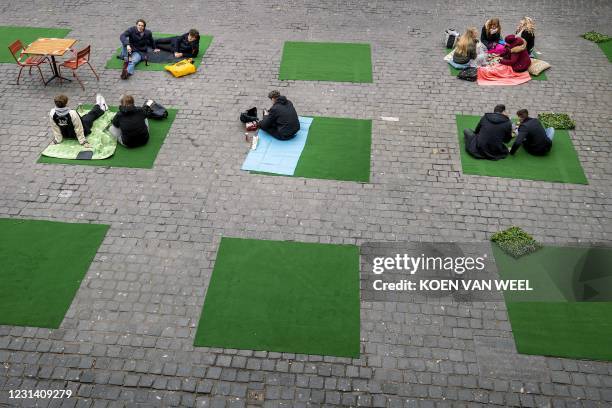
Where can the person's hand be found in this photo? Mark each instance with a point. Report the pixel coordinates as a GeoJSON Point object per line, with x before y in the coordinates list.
{"type": "Point", "coordinates": [129, 49]}
{"type": "Point", "coordinates": [178, 54]}
{"type": "Point", "coordinates": [156, 50]}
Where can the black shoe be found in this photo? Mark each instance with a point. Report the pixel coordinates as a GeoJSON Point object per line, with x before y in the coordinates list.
{"type": "Point", "coordinates": [119, 57]}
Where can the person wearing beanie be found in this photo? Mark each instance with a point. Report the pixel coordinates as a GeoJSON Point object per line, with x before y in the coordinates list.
{"type": "Point", "coordinates": [281, 121]}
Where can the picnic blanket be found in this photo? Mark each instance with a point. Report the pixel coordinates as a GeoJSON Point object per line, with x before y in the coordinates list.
{"type": "Point", "coordinates": [278, 156]}
{"type": "Point", "coordinates": [498, 74]}
{"type": "Point", "coordinates": [103, 145]}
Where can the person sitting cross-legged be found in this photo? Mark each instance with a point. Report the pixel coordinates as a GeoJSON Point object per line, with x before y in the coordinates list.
{"type": "Point", "coordinates": [532, 135]}
{"type": "Point", "coordinates": [67, 123]}
{"type": "Point", "coordinates": [130, 126]}
{"type": "Point", "coordinates": [488, 140]}
{"type": "Point", "coordinates": [281, 121]}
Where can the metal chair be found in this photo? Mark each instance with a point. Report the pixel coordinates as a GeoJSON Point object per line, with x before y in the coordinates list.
{"type": "Point", "coordinates": [81, 58]}
{"type": "Point", "coordinates": [34, 61]}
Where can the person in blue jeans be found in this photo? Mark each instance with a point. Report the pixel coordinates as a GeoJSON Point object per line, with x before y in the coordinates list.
{"type": "Point", "coordinates": [135, 42]}
{"type": "Point", "coordinates": [532, 135]}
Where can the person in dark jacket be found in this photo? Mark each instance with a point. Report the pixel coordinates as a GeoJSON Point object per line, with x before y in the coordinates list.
{"type": "Point", "coordinates": [532, 135]}
{"type": "Point", "coordinates": [516, 54]}
{"type": "Point", "coordinates": [526, 30]}
{"type": "Point", "coordinates": [130, 125]}
{"type": "Point", "coordinates": [282, 120]}
{"type": "Point", "coordinates": [135, 43]}
{"type": "Point", "coordinates": [488, 140]}
{"type": "Point", "coordinates": [490, 34]}
{"type": "Point", "coordinates": [183, 46]}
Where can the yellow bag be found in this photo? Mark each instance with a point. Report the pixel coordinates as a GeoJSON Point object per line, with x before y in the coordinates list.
{"type": "Point", "coordinates": [181, 68]}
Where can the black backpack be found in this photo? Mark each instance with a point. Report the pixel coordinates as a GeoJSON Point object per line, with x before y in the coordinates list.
{"type": "Point", "coordinates": [468, 74]}
{"type": "Point", "coordinates": [154, 110]}
{"type": "Point", "coordinates": [249, 116]}
{"type": "Point", "coordinates": [450, 37]}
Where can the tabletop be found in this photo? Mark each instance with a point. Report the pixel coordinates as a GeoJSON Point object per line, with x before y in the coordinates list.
{"type": "Point", "coordinates": [50, 46]}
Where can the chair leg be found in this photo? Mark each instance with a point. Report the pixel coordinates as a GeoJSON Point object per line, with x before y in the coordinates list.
{"type": "Point", "coordinates": [42, 78]}
{"type": "Point", "coordinates": [19, 76]}
{"type": "Point", "coordinates": [77, 78]}
{"type": "Point", "coordinates": [93, 70]}
{"type": "Point", "coordinates": [30, 70]}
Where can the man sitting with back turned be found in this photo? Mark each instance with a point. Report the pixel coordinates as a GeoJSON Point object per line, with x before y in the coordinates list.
{"type": "Point", "coordinates": [281, 121]}
{"type": "Point", "coordinates": [488, 140]}
{"type": "Point", "coordinates": [532, 135]}
{"type": "Point", "coordinates": [67, 123]}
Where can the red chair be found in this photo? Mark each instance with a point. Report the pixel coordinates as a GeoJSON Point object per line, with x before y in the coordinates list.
{"type": "Point", "coordinates": [81, 58]}
{"type": "Point", "coordinates": [34, 61]}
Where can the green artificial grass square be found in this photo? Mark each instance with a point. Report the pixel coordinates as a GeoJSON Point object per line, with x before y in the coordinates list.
{"type": "Point", "coordinates": [43, 263]}
{"type": "Point", "coordinates": [561, 164]}
{"type": "Point", "coordinates": [606, 47]}
{"type": "Point", "coordinates": [283, 296]}
{"type": "Point", "coordinates": [567, 314]}
{"type": "Point", "coordinates": [116, 63]}
{"type": "Point", "coordinates": [455, 71]}
{"type": "Point", "coordinates": [319, 61]}
{"type": "Point", "coordinates": [136, 157]}
{"type": "Point", "coordinates": [336, 149]}
{"type": "Point", "coordinates": [26, 35]}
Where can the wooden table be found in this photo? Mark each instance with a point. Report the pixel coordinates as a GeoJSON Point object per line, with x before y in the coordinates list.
{"type": "Point", "coordinates": [51, 47]}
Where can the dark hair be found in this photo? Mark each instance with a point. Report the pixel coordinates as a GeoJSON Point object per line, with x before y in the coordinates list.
{"type": "Point", "coordinates": [127, 100]}
{"type": "Point", "coordinates": [522, 113]}
{"type": "Point", "coordinates": [60, 101]}
{"type": "Point", "coordinates": [274, 94]}
{"type": "Point", "coordinates": [194, 33]}
{"type": "Point", "coordinates": [499, 108]}
{"type": "Point", "coordinates": [140, 20]}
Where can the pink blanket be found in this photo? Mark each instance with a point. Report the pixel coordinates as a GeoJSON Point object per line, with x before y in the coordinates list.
{"type": "Point", "coordinates": [499, 74]}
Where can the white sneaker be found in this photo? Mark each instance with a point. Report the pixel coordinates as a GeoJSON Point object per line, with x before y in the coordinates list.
{"type": "Point", "coordinates": [101, 102]}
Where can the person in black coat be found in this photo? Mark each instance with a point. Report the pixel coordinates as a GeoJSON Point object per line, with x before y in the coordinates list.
{"type": "Point", "coordinates": [531, 135]}
{"type": "Point", "coordinates": [490, 34]}
{"type": "Point", "coordinates": [282, 120]}
{"type": "Point", "coordinates": [488, 140]}
{"type": "Point", "coordinates": [183, 46]}
{"type": "Point", "coordinates": [135, 42]}
{"type": "Point", "coordinates": [130, 125]}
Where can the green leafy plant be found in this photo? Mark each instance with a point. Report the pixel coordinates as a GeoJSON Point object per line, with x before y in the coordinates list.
{"type": "Point", "coordinates": [515, 242]}
{"type": "Point", "coordinates": [595, 37]}
{"type": "Point", "coordinates": [556, 120]}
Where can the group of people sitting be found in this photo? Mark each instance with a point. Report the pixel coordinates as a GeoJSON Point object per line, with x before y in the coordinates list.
{"type": "Point", "coordinates": [488, 141]}
{"type": "Point", "coordinates": [129, 126]}
{"type": "Point", "coordinates": [138, 41]}
{"type": "Point", "coordinates": [513, 50]}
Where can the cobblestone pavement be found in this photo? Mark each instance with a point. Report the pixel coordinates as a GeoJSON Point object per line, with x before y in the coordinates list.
{"type": "Point", "coordinates": [127, 338]}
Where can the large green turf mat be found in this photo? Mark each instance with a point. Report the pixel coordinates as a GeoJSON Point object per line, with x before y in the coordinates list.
{"type": "Point", "coordinates": [606, 47]}
{"type": "Point", "coordinates": [43, 263]}
{"type": "Point", "coordinates": [567, 314]}
{"type": "Point", "coordinates": [116, 63]}
{"type": "Point", "coordinates": [336, 149]}
{"type": "Point", "coordinates": [561, 164]}
{"type": "Point", "coordinates": [454, 71]}
{"type": "Point", "coordinates": [27, 35]}
{"type": "Point", "coordinates": [136, 157]}
{"type": "Point", "coordinates": [319, 61]}
{"type": "Point", "coordinates": [283, 296]}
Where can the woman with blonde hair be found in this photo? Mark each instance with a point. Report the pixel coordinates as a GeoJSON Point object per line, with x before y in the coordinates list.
{"type": "Point", "coordinates": [526, 30]}
{"type": "Point", "coordinates": [465, 49]}
{"type": "Point", "coordinates": [490, 34]}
